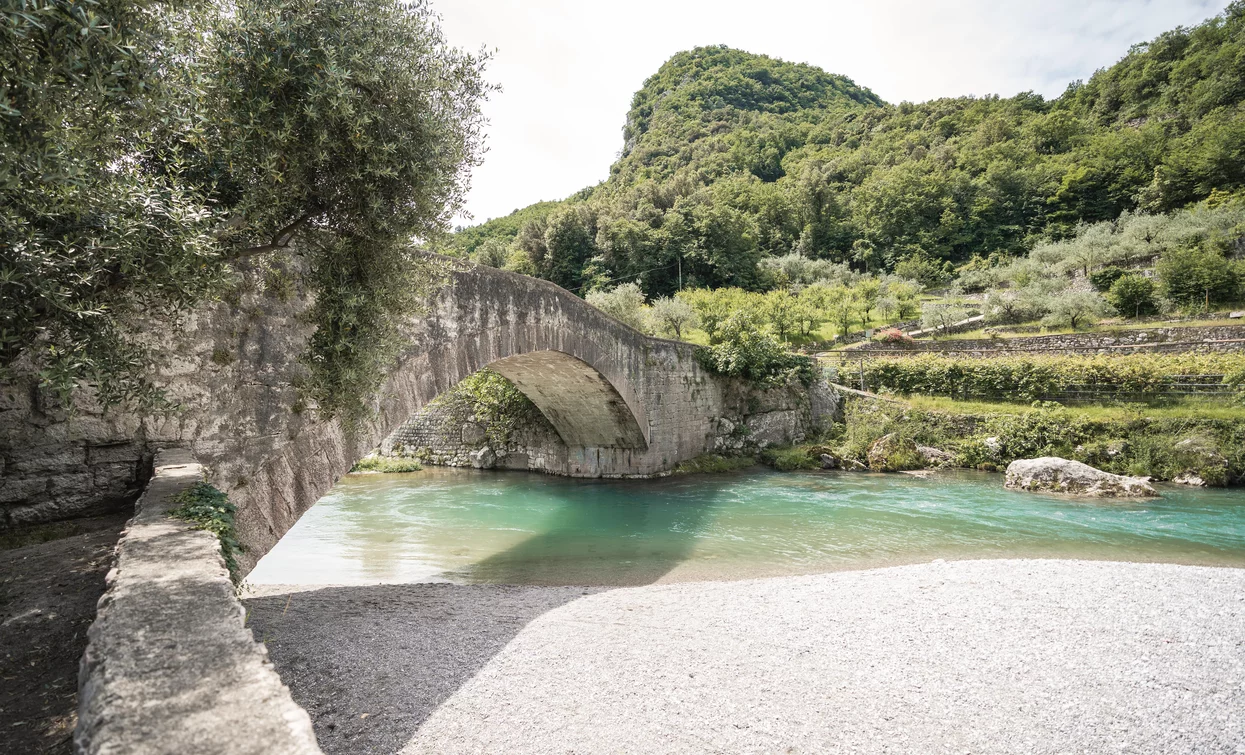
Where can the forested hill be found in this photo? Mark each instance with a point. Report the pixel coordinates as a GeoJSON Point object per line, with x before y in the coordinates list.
{"type": "Point", "coordinates": [729, 157]}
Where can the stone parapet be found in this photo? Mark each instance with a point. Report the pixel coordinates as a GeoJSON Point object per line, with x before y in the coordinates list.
{"type": "Point", "coordinates": [170, 666]}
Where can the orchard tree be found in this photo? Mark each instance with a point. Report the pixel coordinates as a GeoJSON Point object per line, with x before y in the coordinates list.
{"type": "Point", "coordinates": [1075, 309]}
{"type": "Point", "coordinates": [1132, 296]}
{"type": "Point", "coordinates": [624, 303]}
{"type": "Point", "coordinates": [781, 311]}
{"type": "Point", "coordinates": [842, 307]}
{"type": "Point", "coordinates": [150, 149]}
{"type": "Point", "coordinates": [939, 316]}
{"type": "Point", "coordinates": [672, 316]}
{"type": "Point", "coordinates": [713, 306]}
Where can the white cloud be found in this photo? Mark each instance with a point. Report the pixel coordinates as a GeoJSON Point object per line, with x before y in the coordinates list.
{"type": "Point", "coordinates": [570, 67]}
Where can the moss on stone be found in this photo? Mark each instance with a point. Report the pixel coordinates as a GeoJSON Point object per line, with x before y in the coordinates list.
{"type": "Point", "coordinates": [209, 509]}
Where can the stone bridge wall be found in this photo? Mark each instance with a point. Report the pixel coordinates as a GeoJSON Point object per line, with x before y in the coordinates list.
{"type": "Point", "coordinates": [447, 433]}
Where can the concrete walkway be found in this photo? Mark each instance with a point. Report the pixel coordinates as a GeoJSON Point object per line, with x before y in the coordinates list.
{"type": "Point", "coordinates": [962, 657]}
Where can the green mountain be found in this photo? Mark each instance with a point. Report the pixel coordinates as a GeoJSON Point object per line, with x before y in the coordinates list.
{"type": "Point", "coordinates": [730, 157]}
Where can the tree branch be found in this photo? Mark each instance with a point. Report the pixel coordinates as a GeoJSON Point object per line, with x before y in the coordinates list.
{"type": "Point", "coordinates": [280, 240]}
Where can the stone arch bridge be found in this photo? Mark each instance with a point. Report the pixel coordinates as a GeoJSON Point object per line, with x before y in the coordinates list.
{"type": "Point", "coordinates": [624, 403]}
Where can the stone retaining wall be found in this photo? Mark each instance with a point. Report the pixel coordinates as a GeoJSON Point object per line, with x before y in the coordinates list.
{"type": "Point", "coordinates": [447, 434]}
{"type": "Point", "coordinates": [1218, 337]}
{"type": "Point", "coordinates": [170, 666]}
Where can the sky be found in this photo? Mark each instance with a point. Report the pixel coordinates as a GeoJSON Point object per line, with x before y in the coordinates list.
{"type": "Point", "coordinates": [568, 68]}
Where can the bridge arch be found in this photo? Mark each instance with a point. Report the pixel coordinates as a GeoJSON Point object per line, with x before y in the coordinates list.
{"type": "Point", "coordinates": [581, 404]}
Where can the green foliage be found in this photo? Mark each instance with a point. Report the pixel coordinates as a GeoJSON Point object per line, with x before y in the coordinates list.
{"type": "Point", "coordinates": [1133, 296]}
{"type": "Point", "coordinates": [731, 158]}
{"type": "Point", "coordinates": [492, 253]}
{"type": "Point", "coordinates": [1031, 377]}
{"type": "Point", "coordinates": [365, 292]}
{"type": "Point", "coordinates": [790, 458]}
{"type": "Point", "coordinates": [386, 465]}
{"type": "Point", "coordinates": [624, 303]}
{"type": "Point", "coordinates": [149, 150]}
{"type": "Point", "coordinates": [1197, 276]}
{"type": "Point", "coordinates": [1103, 279]}
{"type": "Point", "coordinates": [209, 509]}
{"type": "Point", "coordinates": [922, 269]}
{"type": "Point", "coordinates": [494, 402]}
{"type": "Point", "coordinates": [895, 452]}
{"type": "Point", "coordinates": [745, 352]}
{"type": "Point", "coordinates": [714, 464]}
{"type": "Point", "coordinates": [1161, 447]}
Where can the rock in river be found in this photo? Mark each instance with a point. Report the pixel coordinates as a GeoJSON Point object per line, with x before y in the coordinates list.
{"type": "Point", "coordinates": [1052, 474]}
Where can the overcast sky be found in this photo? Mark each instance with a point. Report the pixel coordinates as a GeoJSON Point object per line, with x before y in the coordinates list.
{"type": "Point", "coordinates": [569, 67]}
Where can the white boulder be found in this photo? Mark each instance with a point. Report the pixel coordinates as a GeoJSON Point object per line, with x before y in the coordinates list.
{"type": "Point", "coordinates": [1051, 474]}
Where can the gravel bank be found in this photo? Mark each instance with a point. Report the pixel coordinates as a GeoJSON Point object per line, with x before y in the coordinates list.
{"type": "Point", "coordinates": [963, 657]}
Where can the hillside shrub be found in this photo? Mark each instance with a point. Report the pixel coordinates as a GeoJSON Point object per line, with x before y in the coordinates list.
{"type": "Point", "coordinates": [1195, 277]}
{"type": "Point", "coordinates": [1133, 296]}
{"type": "Point", "coordinates": [892, 335]}
{"type": "Point", "coordinates": [752, 354]}
{"type": "Point", "coordinates": [1103, 279]}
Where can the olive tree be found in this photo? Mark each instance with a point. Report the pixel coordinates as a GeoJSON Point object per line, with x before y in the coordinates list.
{"type": "Point", "coordinates": [150, 149]}
{"type": "Point", "coordinates": [939, 316]}
{"type": "Point", "coordinates": [671, 316]}
{"type": "Point", "coordinates": [1075, 309]}
{"type": "Point", "coordinates": [624, 303]}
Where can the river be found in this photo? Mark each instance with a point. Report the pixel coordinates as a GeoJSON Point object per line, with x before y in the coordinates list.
{"type": "Point", "coordinates": [470, 527]}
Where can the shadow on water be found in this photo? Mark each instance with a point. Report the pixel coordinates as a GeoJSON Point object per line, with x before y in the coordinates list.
{"type": "Point", "coordinates": [371, 663]}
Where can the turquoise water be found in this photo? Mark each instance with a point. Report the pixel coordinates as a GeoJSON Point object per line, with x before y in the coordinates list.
{"type": "Point", "coordinates": [469, 526]}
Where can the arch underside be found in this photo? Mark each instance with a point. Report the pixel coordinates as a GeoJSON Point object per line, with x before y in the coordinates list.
{"type": "Point", "coordinates": [578, 401]}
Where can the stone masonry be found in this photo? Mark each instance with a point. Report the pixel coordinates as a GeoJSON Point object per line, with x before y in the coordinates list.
{"type": "Point", "coordinates": [447, 433]}
{"type": "Point", "coordinates": [1209, 338]}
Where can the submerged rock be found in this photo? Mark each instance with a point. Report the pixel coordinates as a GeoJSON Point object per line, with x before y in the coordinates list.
{"type": "Point", "coordinates": [1052, 474]}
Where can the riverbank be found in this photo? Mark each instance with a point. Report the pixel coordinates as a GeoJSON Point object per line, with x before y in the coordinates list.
{"type": "Point", "coordinates": [1194, 442]}
{"type": "Point", "coordinates": [970, 656]}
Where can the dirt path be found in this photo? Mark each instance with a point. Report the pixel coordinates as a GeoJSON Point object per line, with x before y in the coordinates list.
{"type": "Point", "coordinates": [48, 593]}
